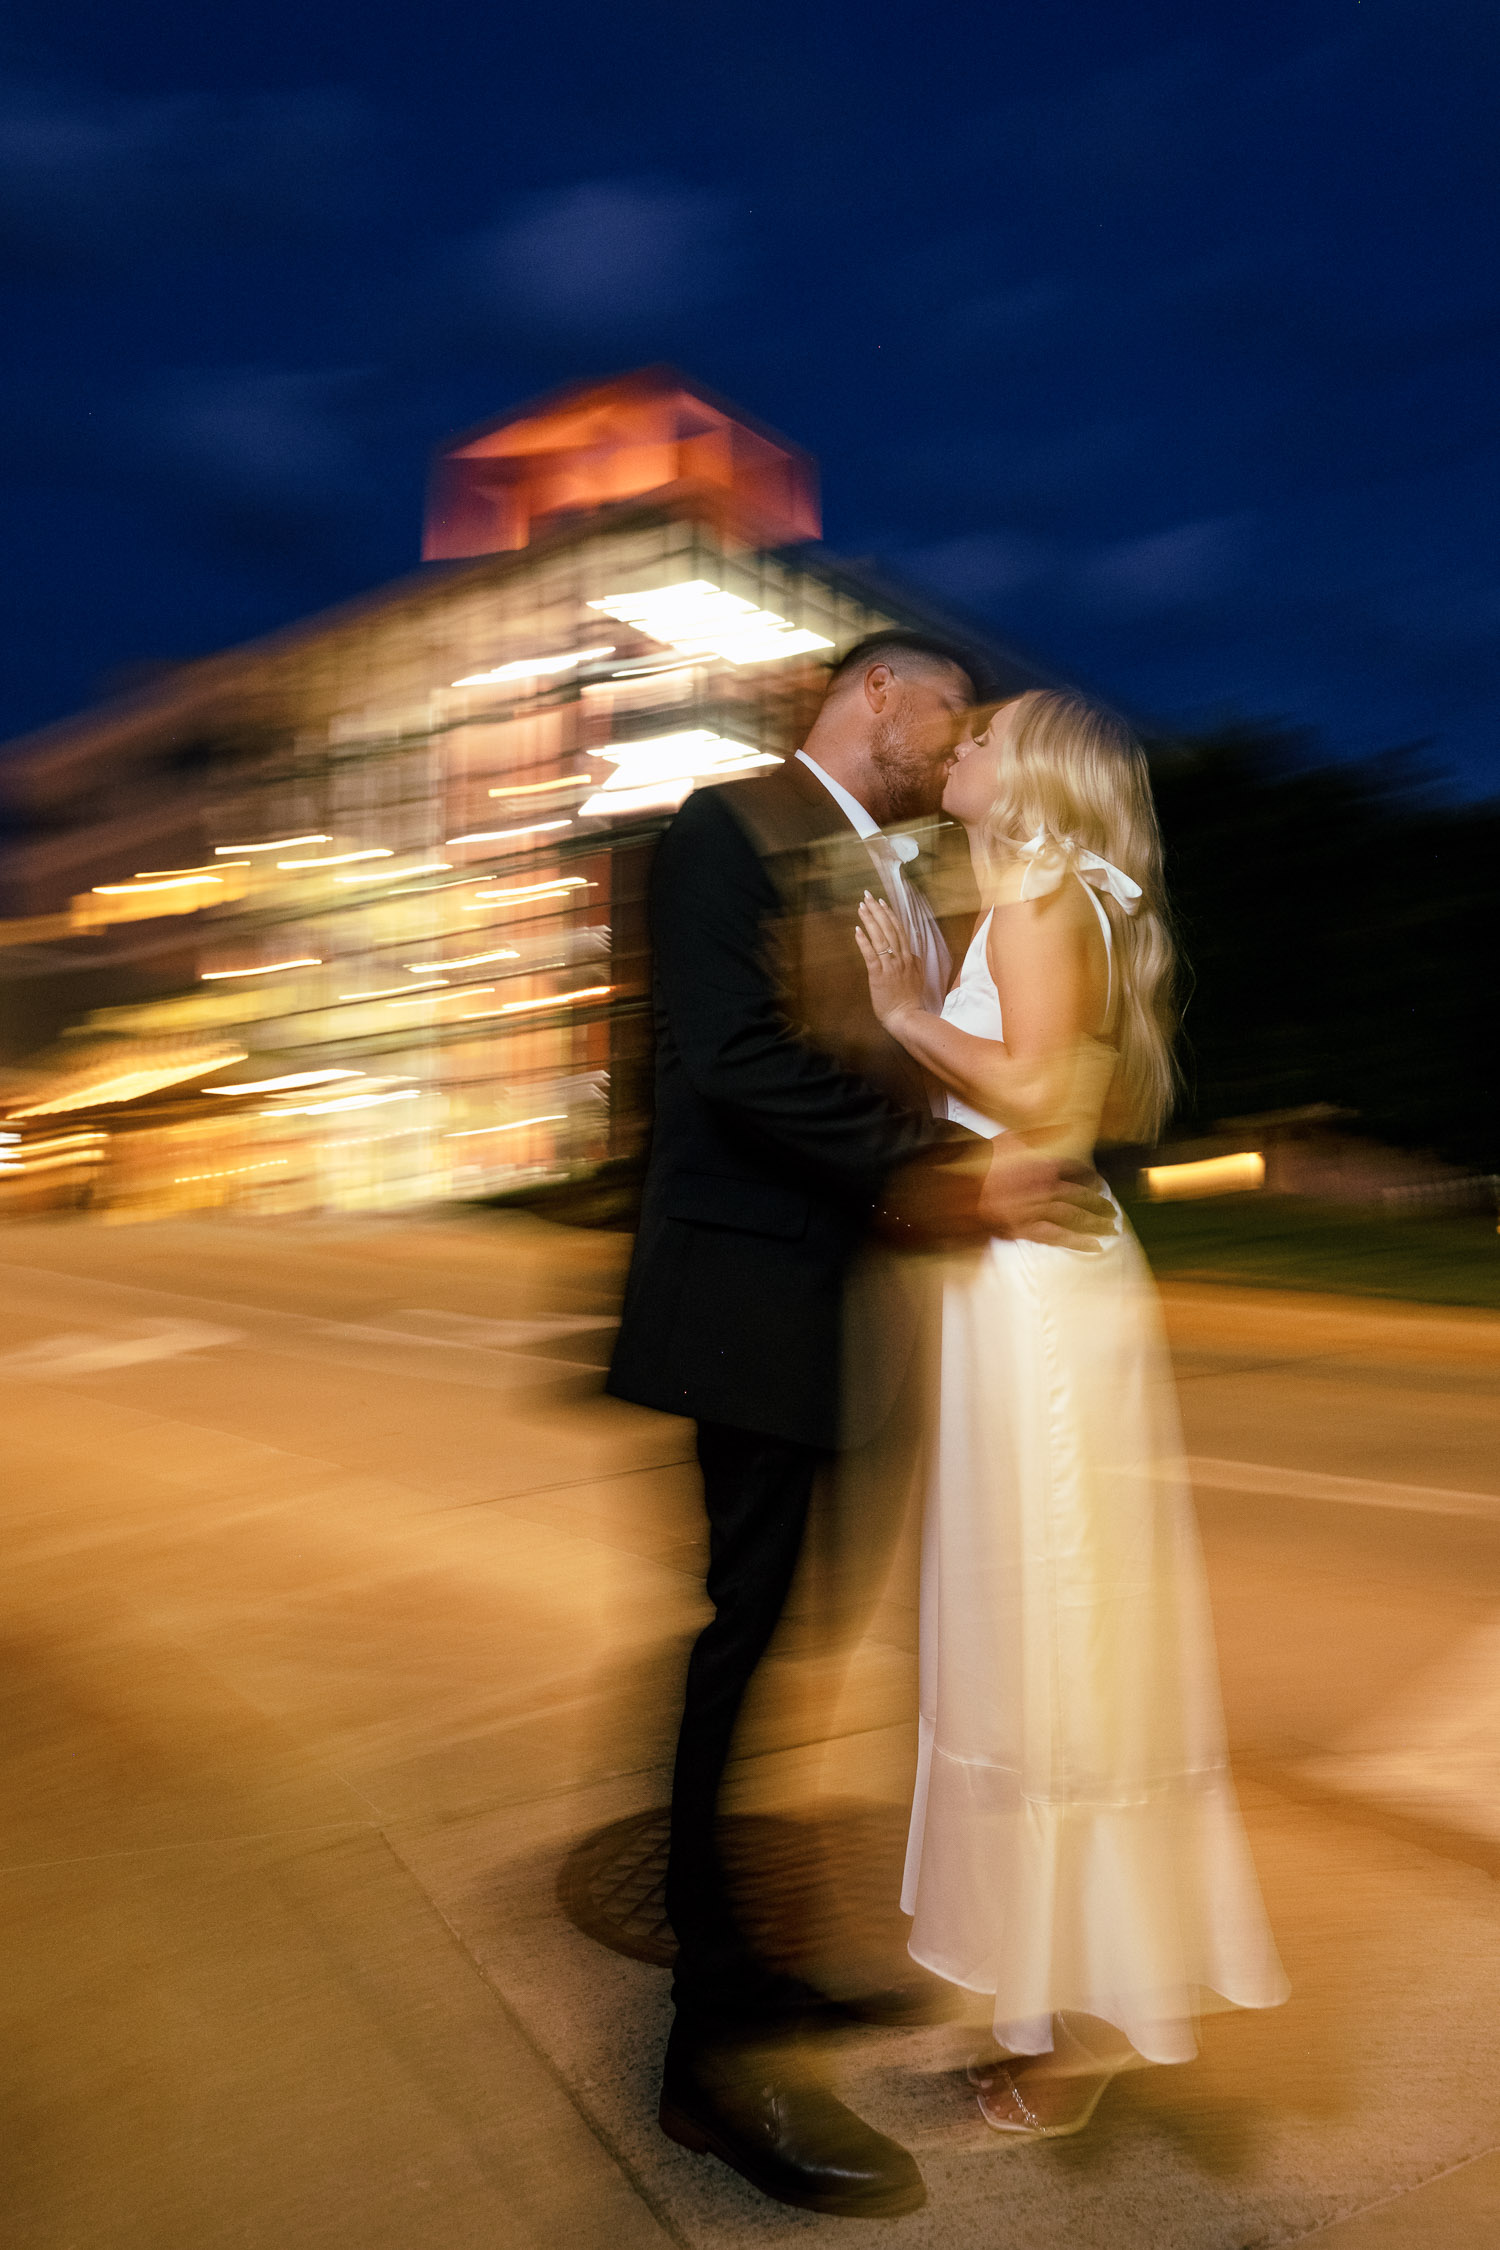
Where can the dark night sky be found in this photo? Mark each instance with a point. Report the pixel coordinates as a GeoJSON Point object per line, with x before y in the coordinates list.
{"type": "Point", "coordinates": [1165, 337]}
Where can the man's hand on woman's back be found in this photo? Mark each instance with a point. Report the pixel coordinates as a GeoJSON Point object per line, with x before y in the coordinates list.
{"type": "Point", "coordinates": [1037, 1198]}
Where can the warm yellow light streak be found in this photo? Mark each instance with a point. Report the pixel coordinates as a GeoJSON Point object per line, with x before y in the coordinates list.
{"type": "Point", "coordinates": [81, 1139]}
{"type": "Point", "coordinates": [536, 788]}
{"type": "Point", "coordinates": [267, 969]}
{"type": "Point", "coordinates": [155, 874]}
{"type": "Point", "coordinates": [292, 1078]}
{"type": "Point", "coordinates": [395, 874]}
{"type": "Point", "coordinates": [435, 1000]}
{"type": "Point", "coordinates": [129, 1087]}
{"type": "Point", "coordinates": [664, 796]}
{"type": "Point", "coordinates": [340, 859]}
{"type": "Point", "coordinates": [233, 1171]}
{"type": "Point", "coordinates": [472, 1132]}
{"type": "Point", "coordinates": [553, 1000]}
{"type": "Point", "coordinates": [533, 667]}
{"type": "Point", "coordinates": [557, 889]}
{"type": "Point", "coordinates": [277, 844]}
{"type": "Point", "coordinates": [387, 991]}
{"type": "Point", "coordinates": [465, 961]}
{"type": "Point", "coordinates": [173, 883]}
{"type": "Point", "coordinates": [50, 1163]}
{"type": "Point", "coordinates": [1209, 1175]}
{"type": "Point", "coordinates": [503, 835]}
{"type": "Point", "coordinates": [343, 1101]}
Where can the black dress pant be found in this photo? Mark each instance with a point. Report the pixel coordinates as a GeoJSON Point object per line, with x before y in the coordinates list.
{"type": "Point", "coordinates": [757, 1492]}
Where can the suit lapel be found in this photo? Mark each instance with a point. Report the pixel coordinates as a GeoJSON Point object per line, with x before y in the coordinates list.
{"type": "Point", "coordinates": [821, 868]}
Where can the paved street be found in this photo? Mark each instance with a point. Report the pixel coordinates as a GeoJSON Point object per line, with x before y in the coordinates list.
{"type": "Point", "coordinates": [339, 1603]}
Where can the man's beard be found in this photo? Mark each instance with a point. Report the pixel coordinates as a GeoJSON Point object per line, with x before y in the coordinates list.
{"type": "Point", "coordinates": [911, 784]}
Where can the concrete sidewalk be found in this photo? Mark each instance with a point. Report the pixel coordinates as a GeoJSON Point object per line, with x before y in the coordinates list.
{"type": "Point", "coordinates": [323, 1642]}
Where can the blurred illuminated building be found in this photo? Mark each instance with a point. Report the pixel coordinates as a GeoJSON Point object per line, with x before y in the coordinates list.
{"type": "Point", "coordinates": [385, 869]}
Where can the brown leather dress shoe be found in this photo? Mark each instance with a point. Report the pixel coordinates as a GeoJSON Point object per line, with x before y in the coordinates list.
{"type": "Point", "coordinates": [759, 2109]}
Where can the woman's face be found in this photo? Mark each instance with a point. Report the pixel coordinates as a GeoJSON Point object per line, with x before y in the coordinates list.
{"type": "Point", "coordinates": [974, 783]}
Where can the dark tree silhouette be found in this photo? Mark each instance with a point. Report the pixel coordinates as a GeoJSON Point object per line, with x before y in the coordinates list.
{"type": "Point", "coordinates": [1339, 923]}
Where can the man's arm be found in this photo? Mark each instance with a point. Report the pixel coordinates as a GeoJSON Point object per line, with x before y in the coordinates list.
{"type": "Point", "coordinates": [713, 904]}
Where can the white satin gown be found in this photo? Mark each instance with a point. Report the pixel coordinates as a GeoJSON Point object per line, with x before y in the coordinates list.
{"type": "Point", "coordinates": [1076, 1843]}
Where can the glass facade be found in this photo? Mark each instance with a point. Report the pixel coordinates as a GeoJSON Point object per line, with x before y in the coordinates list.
{"type": "Point", "coordinates": [418, 914]}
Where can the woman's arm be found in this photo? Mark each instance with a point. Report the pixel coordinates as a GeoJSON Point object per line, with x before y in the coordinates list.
{"type": "Point", "coordinates": [1039, 954]}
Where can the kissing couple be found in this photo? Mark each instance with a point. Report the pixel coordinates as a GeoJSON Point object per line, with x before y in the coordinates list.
{"type": "Point", "coordinates": [1076, 1853]}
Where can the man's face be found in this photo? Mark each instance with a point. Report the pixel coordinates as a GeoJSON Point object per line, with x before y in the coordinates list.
{"type": "Point", "coordinates": [915, 735]}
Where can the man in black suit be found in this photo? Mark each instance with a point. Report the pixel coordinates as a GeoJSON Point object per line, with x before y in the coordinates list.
{"type": "Point", "coordinates": [788, 1124]}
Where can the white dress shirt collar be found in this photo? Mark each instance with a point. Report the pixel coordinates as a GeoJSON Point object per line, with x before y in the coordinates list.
{"type": "Point", "coordinates": [863, 825]}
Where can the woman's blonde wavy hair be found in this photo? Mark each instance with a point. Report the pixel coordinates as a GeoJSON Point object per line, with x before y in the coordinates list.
{"type": "Point", "coordinates": [1078, 772]}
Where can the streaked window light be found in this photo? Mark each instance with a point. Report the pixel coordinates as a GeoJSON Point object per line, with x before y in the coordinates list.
{"type": "Point", "coordinates": [533, 667]}
{"type": "Point", "coordinates": [538, 788]}
{"type": "Point", "coordinates": [504, 835]}
{"type": "Point", "coordinates": [516, 893]}
{"type": "Point", "coordinates": [419, 998]}
{"type": "Point", "coordinates": [663, 770]}
{"type": "Point", "coordinates": [340, 859]}
{"type": "Point", "coordinates": [551, 1000]}
{"type": "Point", "coordinates": [171, 883]}
{"type": "Point", "coordinates": [473, 1132]}
{"type": "Point", "coordinates": [698, 618]}
{"type": "Point", "coordinates": [292, 1078]}
{"type": "Point", "coordinates": [129, 1086]}
{"type": "Point", "coordinates": [395, 874]}
{"type": "Point", "coordinates": [343, 1101]}
{"type": "Point", "coordinates": [277, 844]}
{"type": "Point", "coordinates": [387, 991]}
{"type": "Point", "coordinates": [218, 869]}
{"type": "Point", "coordinates": [464, 961]}
{"type": "Point", "coordinates": [266, 969]}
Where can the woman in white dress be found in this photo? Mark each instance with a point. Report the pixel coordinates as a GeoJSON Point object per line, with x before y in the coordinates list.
{"type": "Point", "coordinates": [1076, 1847]}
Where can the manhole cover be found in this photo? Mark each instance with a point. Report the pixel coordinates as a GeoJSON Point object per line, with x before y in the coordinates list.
{"type": "Point", "coordinates": [612, 1883]}
{"type": "Point", "coordinates": [822, 1887]}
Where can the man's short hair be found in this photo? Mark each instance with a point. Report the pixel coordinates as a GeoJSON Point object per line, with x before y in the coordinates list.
{"type": "Point", "coordinates": [895, 643]}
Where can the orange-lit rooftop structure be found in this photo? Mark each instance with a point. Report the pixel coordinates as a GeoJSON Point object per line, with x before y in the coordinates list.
{"type": "Point", "coordinates": [650, 434]}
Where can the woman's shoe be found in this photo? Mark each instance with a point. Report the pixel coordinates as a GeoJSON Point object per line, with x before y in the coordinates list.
{"type": "Point", "coordinates": [1004, 2106]}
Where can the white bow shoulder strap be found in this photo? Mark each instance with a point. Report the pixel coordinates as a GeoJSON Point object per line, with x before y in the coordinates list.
{"type": "Point", "coordinates": [1047, 859]}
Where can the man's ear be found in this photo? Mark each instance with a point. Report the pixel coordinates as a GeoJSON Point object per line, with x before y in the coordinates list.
{"type": "Point", "coordinates": [879, 681]}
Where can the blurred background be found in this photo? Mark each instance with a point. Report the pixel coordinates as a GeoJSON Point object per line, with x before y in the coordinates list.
{"type": "Point", "coordinates": [435, 443]}
{"type": "Point", "coordinates": [1157, 358]}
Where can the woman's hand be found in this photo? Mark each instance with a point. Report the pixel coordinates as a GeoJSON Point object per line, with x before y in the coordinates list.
{"type": "Point", "coordinates": [897, 977]}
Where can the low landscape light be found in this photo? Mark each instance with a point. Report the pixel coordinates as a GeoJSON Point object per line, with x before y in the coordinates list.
{"type": "Point", "coordinates": [1208, 1175]}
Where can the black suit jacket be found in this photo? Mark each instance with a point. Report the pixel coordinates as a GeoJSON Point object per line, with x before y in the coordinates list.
{"type": "Point", "coordinates": [782, 1107]}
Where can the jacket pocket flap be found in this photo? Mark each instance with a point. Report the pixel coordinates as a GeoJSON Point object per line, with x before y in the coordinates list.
{"type": "Point", "coordinates": [747, 1206]}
